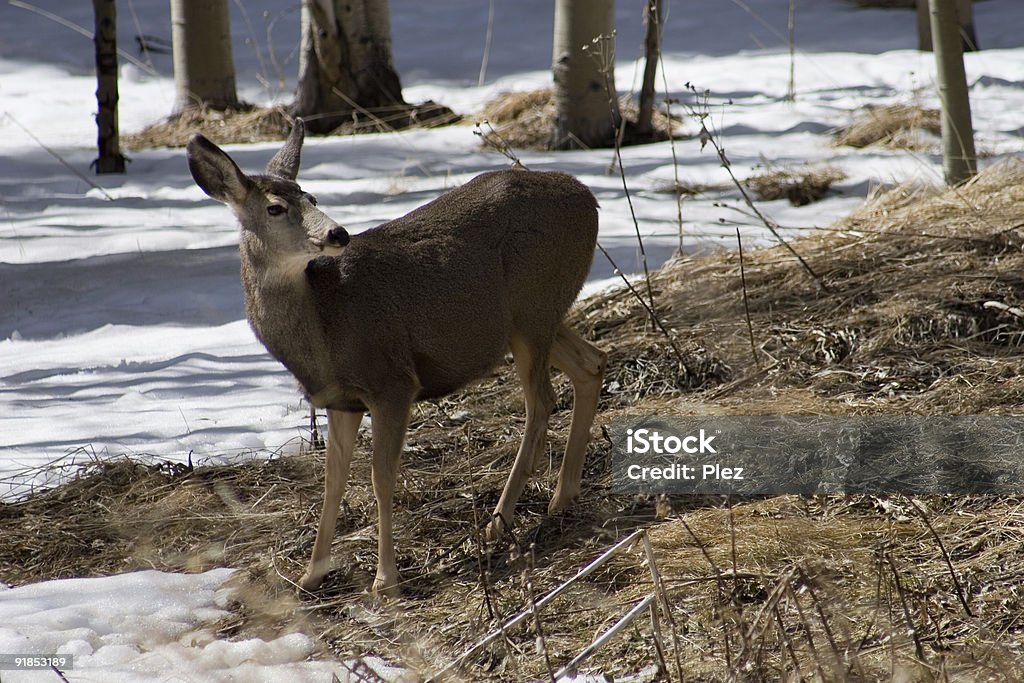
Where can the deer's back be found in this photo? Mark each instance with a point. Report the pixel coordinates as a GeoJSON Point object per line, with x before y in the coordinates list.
{"type": "Point", "coordinates": [439, 291]}
{"type": "Point", "coordinates": [521, 231]}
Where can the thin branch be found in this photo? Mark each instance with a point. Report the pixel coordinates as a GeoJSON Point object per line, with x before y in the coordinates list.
{"type": "Point", "coordinates": [618, 122]}
{"type": "Point", "coordinates": [650, 311]}
{"type": "Point", "coordinates": [80, 30]}
{"type": "Point", "coordinates": [66, 164]}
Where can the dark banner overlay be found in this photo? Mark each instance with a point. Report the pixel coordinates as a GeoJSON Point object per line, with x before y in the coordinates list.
{"type": "Point", "coordinates": [815, 455]}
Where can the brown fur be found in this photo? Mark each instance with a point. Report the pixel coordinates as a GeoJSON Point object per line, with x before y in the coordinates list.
{"type": "Point", "coordinates": [414, 309]}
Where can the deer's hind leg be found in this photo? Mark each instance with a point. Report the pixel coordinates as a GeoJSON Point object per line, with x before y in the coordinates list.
{"type": "Point", "coordinates": [532, 357]}
{"type": "Point", "coordinates": [342, 428]}
{"type": "Point", "coordinates": [584, 363]}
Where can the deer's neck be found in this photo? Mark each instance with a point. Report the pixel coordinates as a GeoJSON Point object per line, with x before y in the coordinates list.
{"type": "Point", "coordinates": [280, 309]}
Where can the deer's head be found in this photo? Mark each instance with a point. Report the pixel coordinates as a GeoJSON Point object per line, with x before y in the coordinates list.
{"type": "Point", "coordinates": [271, 207]}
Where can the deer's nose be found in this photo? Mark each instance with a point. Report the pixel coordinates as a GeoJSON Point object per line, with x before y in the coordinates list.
{"type": "Point", "coordinates": [338, 237]}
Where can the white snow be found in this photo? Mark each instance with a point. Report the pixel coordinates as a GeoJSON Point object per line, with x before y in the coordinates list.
{"type": "Point", "coordinates": [122, 328]}
{"type": "Point", "coordinates": [150, 626]}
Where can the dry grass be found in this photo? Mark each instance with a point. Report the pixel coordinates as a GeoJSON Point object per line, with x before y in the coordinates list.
{"type": "Point", "coordinates": [898, 126]}
{"type": "Point", "coordinates": [259, 124]}
{"type": "Point", "coordinates": [222, 127]}
{"type": "Point", "coordinates": [829, 588]}
{"type": "Point", "coordinates": [523, 120]}
{"type": "Point", "coordinates": [800, 186]}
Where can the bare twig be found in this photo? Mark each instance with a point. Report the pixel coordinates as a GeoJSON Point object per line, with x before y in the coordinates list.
{"type": "Point", "coordinates": [837, 653]}
{"type": "Point", "coordinates": [518, 618]}
{"type": "Point", "coordinates": [746, 304]}
{"type": "Point", "coordinates": [619, 125]}
{"type": "Point", "coordinates": [672, 144]}
{"type": "Point", "coordinates": [487, 45]}
{"type": "Point", "coordinates": [786, 640]}
{"type": "Point", "coordinates": [918, 647]}
{"type": "Point", "coordinates": [804, 626]}
{"type": "Point", "coordinates": [495, 141]}
{"type": "Point", "coordinates": [706, 136]}
{"type": "Point", "coordinates": [485, 574]}
{"type": "Point", "coordinates": [945, 555]}
{"type": "Point", "coordinates": [650, 311]}
{"type": "Point", "coordinates": [666, 607]}
{"type": "Point", "coordinates": [531, 598]}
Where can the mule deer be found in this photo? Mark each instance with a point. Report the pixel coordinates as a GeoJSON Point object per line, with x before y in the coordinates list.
{"type": "Point", "coordinates": [414, 309]}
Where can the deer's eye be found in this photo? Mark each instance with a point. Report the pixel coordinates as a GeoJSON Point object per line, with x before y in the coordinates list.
{"type": "Point", "coordinates": [276, 209]}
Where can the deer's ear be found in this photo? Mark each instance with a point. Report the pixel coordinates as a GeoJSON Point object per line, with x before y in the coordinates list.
{"type": "Point", "coordinates": [285, 163]}
{"type": "Point", "coordinates": [215, 172]}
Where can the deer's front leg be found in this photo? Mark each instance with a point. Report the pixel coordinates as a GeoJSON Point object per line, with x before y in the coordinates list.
{"type": "Point", "coordinates": [342, 428]}
{"type": "Point", "coordinates": [390, 420]}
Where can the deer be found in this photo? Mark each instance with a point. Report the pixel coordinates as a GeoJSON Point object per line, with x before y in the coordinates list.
{"type": "Point", "coordinates": [415, 309]}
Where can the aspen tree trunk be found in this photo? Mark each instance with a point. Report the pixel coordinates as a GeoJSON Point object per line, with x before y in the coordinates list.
{"type": "Point", "coordinates": [587, 108]}
{"type": "Point", "coordinates": [345, 62]}
{"type": "Point", "coordinates": [204, 70]}
{"type": "Point", "coordinates": [958, 157]}
{"type": "Point", "coordinates": [110, 159]}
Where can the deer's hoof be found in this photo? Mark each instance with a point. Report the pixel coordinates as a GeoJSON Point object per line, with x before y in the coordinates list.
{"type": "Point", "coordinates": [496, 529]}
{"type": "Point", "coordinates": [310, 582]}
{"type": "Point", "coordinates": [561, 500]}
{"type": "Point", "coordinates": [385, 589]}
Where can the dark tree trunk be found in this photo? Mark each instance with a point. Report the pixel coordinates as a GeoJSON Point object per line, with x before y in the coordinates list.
{"type": "Point", "coordinates": [652, 51]}
{"type": "Point", "coordinates": [345, 64]}
{"type": "Point", "coordinates": [965, 16]}
{"type": "Point", "coordinates": [110, 159]}
{"type": "Point", "coordinates": [965, 19]}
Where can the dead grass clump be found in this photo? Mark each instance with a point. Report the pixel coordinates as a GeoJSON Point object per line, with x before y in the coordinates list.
{"type": "Point", "coordinates": [118, 515]}
{"type": "Point", "coordinates": [259, 124]}
{"type": "Point", "coordinates": [915, 315]}
{"type": "Point", "coordinates": [800, 187]}
{"type": "Point", "coordinates": [897, 126]}
{"type": "Point", "coordinates": [253, 124]}
{"type": "Point", "coordinates": [523, 120]}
